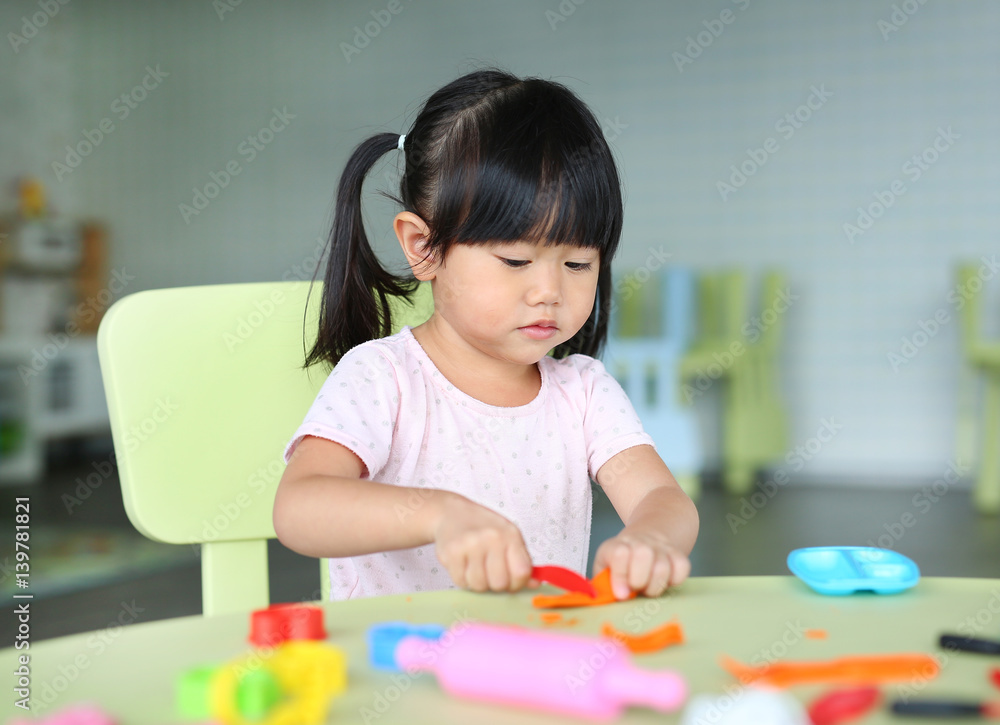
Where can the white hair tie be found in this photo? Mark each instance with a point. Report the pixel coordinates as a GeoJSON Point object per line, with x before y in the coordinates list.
{"type": "Point", "coordinates": [402, 140]}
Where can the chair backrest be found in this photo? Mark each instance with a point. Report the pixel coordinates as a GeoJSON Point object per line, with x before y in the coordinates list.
{"type": "Point", "coordinates": [646, 365]}
{"type": "Point", "coordinates": [205, 386]}
{"type": "Point", "coordinates": [722, 307]}
{"type": "Point", "coordinates": [663, 307]}
{"type": "Point", "coordinates": [679, 306]}
{"type": "Point", "coordinates": [773, 310]}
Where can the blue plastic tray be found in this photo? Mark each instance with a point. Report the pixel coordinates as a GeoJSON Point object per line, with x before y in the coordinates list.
{"type": "Point", "coordinates": [840, 570]}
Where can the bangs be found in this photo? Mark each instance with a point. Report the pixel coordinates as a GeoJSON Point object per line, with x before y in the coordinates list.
{"type": "Point", "coordinates": [542, 172]}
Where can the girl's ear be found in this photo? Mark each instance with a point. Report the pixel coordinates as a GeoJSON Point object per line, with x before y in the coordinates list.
{"type": "Point", "coordinates": [412, 233]}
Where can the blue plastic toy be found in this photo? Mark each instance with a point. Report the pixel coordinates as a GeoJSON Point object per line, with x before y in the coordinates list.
{"type": "Point", "coordinates": [840, 570]}
{"type": "Point", "coordinates": [383, 638]}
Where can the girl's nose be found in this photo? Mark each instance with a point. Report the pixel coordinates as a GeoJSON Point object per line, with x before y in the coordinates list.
{"type": "Point", "coordinates": [546, 286]}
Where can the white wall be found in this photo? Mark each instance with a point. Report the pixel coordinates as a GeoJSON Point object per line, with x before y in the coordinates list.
{"type": "Point", "coordinates": [680, 128]}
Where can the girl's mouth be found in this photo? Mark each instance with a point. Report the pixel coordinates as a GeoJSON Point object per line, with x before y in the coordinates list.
{"type": "Point", "coordinates": [539, 332]}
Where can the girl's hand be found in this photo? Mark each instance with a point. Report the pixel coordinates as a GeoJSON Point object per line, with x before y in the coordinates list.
{"type": "Point", "coordinates": [642, 561]}
{"type": "Point", "coordinates": [481, 550]}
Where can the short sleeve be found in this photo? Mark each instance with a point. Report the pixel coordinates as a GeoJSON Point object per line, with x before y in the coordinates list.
{"type": "Point", "coordinates": [610, 422]}
{"type": "Point", "coordinates": [356, 407]}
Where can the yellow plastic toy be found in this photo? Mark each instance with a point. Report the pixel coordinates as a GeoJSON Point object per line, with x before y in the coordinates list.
{"type": "Point", "coordinates": [309, 673]}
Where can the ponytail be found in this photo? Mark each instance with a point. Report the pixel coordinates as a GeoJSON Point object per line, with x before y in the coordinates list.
{"type": "Point", "coordinates": [354, 307]}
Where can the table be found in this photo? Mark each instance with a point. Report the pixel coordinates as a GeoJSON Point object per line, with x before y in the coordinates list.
{"type": "Point", "coordinates": [131, 671]}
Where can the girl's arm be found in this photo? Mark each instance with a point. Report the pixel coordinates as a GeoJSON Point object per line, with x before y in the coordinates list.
{"type": "Point", "coordinates": [324, 509]}
{"type": "Point", "coordinates": [661, 524]}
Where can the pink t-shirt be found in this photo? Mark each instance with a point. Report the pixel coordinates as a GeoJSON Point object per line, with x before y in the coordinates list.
{"type": "Point", "coordinates": [387, 402]}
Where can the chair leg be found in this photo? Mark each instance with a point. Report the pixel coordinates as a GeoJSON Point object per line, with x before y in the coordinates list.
{"type": "Point", "coordinates": [324, 580]}
{"type": "Point", "coordinates": [234, 576]}
{"type": "Point", "coordinates": [740, 458]}
{"type": "Point", "coordinates": [986, 494]}
{"type": "Point", "coordinates": [738, 478]}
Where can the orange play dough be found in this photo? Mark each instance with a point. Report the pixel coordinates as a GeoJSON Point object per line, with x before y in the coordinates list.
{"type": "Point", "coordinates": [854, 670]}
{"type": "Point", "coordinates": [651, 641]}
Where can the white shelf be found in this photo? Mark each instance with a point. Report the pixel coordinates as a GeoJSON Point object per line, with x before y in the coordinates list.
{"type": "Point", "coordinates": [53, 384]}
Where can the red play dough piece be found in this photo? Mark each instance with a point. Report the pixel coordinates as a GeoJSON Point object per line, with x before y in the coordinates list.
{"type": "Point", "coordinates": [564, 578]}
{"type": "Point", "coordinates": [839, 706]}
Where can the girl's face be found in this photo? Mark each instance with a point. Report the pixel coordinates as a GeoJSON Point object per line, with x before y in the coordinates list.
{"type": "Point", "coordinates": [516, 301]}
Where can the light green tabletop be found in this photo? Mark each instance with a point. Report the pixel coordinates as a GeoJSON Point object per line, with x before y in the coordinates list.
{"type": "Point", "coordinates": [132, 671]}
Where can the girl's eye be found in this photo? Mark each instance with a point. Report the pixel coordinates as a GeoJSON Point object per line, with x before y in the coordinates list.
{"type": "Point", "coordinates": [518, 263]}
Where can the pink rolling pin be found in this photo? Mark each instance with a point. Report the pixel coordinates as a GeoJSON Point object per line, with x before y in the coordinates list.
{"type": "Point", "coordinates": [584, 677]}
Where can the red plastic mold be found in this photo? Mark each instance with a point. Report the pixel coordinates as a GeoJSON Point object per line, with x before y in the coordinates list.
{"type": "Point", "coordinates": [283, 622]}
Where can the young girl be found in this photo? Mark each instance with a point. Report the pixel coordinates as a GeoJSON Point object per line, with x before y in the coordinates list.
{"type": "Point", "coordinates": [459, 452]}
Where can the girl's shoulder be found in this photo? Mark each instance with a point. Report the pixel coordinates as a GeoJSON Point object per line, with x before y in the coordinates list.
{"type": "Point", "coordinates": [391, 351]}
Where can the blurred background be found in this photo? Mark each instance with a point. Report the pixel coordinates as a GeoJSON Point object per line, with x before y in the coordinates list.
{"type": "Point", "coordinates": [817, 175]}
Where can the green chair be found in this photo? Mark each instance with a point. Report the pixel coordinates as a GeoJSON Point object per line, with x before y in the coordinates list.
{"type": "Point", "coordinates": [205, 387]}
{"type": "Point", "coordinates": [755, 420]}
{"type": "Point", "coordinates": [983, 356]}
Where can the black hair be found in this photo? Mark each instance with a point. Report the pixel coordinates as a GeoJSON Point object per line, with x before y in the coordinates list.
{"type": "Point", "coordinates": [490, 158]}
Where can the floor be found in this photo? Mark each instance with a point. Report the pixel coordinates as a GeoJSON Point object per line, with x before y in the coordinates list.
{"type": "Point", "coordinates": [746, 536]}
